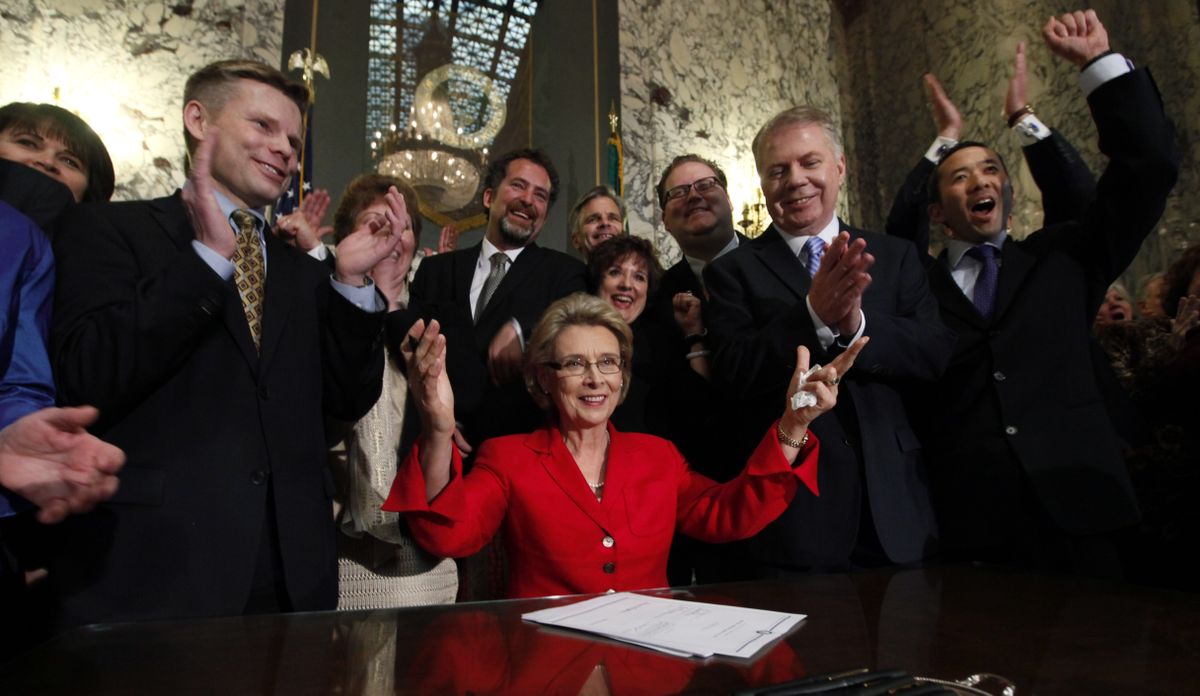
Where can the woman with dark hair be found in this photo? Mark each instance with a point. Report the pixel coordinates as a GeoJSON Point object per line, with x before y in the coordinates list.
{"type": "Point", "coordinates": [59, 144]}
{"type": "Point", "coordinates": [585, 507]}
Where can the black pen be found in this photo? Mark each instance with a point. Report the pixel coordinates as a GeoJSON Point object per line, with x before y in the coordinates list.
{"type": "Point", "coordinates": [825, 683]}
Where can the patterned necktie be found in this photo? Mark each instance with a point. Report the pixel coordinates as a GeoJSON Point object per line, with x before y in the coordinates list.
{"type": "Point", "coordinates": [815, 248]}
{"type": "Point", "coordinates": [985, 283]}
{"type": "Point", "coordinates": [499, 267]}
{"type": "Point", "coordinates": [248, 271]}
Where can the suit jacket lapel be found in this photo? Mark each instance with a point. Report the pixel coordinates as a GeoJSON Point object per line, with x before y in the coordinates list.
{"type": "Point", "coordinates": [281, 284]}
{"type": "Point", "coordinates": [773, 250]}
{"type": "Point", "coordinates": [170, 214]}
{"type": "Point", "coordinates": [1015, 264]}
{"type": "Point", "coordinates": [561, 467]}
{"type": "Point", "coordinates": [950, 296]}
{"type": "Point", "coordinates": [518, 272]}
{"type": "Point", "coordinates": [463, 273]}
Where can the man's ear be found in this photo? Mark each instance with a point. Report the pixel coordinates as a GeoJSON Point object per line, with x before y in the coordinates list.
{"type": "Point", "coordinates": [487, 198]}
{"type": "Point", "coordinates": [195, 119]}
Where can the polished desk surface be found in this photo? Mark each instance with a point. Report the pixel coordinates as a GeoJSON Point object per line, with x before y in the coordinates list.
{"type": "Point", "coordinates": [1047, 635]}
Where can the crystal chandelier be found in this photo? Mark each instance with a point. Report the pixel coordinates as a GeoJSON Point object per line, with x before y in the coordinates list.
{"type": "Point", "coordinates": [442, 160]}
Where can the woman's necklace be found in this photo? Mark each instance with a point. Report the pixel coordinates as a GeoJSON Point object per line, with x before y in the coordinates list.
{"type": "Point", "coordinates": [598, 486]}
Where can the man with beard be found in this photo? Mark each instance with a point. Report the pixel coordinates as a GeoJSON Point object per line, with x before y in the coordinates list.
{"type": "Point", "coordinates": [488, 298]}
{"type": "Point", "coordinates": [1025, 466]}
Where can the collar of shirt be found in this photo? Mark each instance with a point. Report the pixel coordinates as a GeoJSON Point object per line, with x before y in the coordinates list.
{"type": "Point", "coordinates": [956, 249]}
{"type": "Point", "coordinates": [227, 207]}
{"type": "Point", "coordinates": [827, 234]}
{"type": "Point", "coordinates": [697, 265]}
{"type": "Point", "coordinates": [484, 264]}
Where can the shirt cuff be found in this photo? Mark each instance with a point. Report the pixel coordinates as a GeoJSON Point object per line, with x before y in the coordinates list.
{"type": "Point", "coordinates": [520, 335]}
{"type": "Point", "coordinates": [862, 328]}
{"type": "Point", "coordinates": [320, 252]}
{"type": "Point", "coordinates": [1030, 130]}
{"type": "Point", "coordinates": [1102, 70]}
{"type": "Point", "coordinates": [220, 265]}
{"type": "Point", "coordinates": [825, 334]}
{"type": "Point", "coordinates": [939, 146]}
{"type": "Point", "coordinates": [365, 298]}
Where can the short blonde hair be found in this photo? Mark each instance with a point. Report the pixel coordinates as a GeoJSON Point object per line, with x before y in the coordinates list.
{"type": "Point", "coordinates": [579, 309]}
{"type": "Point", "coordinates": [802, 115]}
{"type": "Point", "coordinates": [575, 217]}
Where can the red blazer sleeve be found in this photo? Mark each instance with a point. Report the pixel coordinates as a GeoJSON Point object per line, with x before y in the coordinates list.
{"type": "Point", "coordinates": [742, 507]}
{"type": "Point", "coordinates": [461, 519]}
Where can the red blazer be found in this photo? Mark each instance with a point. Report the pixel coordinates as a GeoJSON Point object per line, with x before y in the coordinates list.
{"type": "Point", "coordinates": [561, 540]}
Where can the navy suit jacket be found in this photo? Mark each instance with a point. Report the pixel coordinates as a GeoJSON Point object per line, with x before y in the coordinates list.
{"type": "Point", "coordinates": [218, 438]}
{"type": "Point", "coordinates": [758, 316]}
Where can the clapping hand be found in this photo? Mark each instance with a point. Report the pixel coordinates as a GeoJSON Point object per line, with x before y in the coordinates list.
{"type": "Point", "coordinates": [49, 458]}
{"type": "Point", "coordinates": [838, 286]}
{"type": "Point", "coordinates": [367, 245]}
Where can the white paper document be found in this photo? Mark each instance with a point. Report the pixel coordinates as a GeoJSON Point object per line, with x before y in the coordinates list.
{"type": "Point", "coordinates": [673, 626]}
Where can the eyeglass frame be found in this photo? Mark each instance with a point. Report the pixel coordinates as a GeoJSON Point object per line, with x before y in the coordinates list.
{"type": "Point", "coordinates": [681, 191]}
{"type": "Point", "coordinates": [617, 360]}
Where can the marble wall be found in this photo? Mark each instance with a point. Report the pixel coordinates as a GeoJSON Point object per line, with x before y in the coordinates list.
{"type": "Point", "coordinates": [972, 53]}
{"type": "Point", "coordinates": [702, 77]}
{"type": "Point", "coordinates": [121, 66]}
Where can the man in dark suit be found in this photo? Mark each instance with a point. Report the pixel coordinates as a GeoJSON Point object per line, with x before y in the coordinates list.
{"type": "Point", "coordinates": [1026, 468]}
{"type": "Point", "coordinates": [489, 297]}
{"type": "Point", "coordinates": [216, 390]}
{"type": "Point", "coordinates": [809, 279]}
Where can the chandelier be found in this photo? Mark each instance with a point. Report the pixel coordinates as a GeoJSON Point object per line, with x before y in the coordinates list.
{"type": "Point", "coordinates": [442, 150]}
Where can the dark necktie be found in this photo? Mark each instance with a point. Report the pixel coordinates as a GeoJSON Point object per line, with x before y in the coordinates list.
{"type": "Point", "coordinates": [248, 271]}
{"type": "Point", "coordinates": [985, 283]}
{"type": "Point", "coordinates": [499, 266]}
{"type": "Point", "coordinates": [815, 248]}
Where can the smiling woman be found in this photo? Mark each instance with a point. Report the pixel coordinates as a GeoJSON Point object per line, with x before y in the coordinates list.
{"type": "Point", "coordinates": [59, 144]}
{"type": "Point", "coordinates": [587, 508]}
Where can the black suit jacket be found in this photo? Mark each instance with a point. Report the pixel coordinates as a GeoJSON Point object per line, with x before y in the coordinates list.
{"type": "Point", "coordinates": [690, 410]}
{"type": "Point", "coordinates": [1021, 389]}
{"type": "Point", "coordinates": [218, 439]}
{"type": "Point", "coordinates": [758, 316]}
{"type": "Point", "coordinates": [441, 290]}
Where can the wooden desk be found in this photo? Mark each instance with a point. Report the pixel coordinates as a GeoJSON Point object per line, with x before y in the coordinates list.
{"type": "Point", "coordinates": [1047, 635]}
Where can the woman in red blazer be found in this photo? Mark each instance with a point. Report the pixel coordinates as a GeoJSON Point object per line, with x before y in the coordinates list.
{"type": "Point", "coordinates": [585, 508]}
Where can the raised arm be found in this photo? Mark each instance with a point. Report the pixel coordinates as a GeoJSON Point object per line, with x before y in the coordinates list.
{"type": "Point", "coordinates": [909, 217]}
{"type": "Point", "coordinates": [1066, 183]}
{"type": "Point", "coordinates": [425, 358]}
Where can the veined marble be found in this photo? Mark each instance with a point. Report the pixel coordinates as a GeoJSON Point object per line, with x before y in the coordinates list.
{"type": "Point", "coordinates": [972, 53]}
{"type": "Point", "coordinates": [121, 66]}
{"type": "Point", "coordinates": [702, 77]}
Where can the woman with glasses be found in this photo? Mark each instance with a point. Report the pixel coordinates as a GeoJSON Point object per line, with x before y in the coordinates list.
{"type": "Point", "coordinates": [584, 507]}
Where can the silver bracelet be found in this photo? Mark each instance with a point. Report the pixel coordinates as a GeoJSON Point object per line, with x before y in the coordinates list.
{"type": "Point", "coordinates": [699, 354]}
